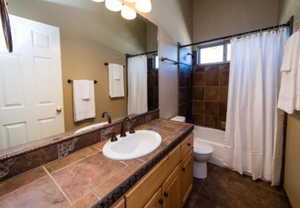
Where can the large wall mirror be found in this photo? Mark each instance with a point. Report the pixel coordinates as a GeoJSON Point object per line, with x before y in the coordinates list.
{"type": "Point", "coordinates": [73, 60]}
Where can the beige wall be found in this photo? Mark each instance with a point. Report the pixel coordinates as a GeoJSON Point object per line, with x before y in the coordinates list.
{"type": "Point", "coordinates": [292, 160]}
{"type": "Point", "coordinates": [218, 18]}
{"type": "Point", "coordinates": [168, 78]}
{"type": "Point", "coordinates": [174, 21]}
{"type": "Point", "coordinates": [84, 59]}
{"type": "Point", "coordinates": [90, 36]}
{"type": "Point", "coordinates": [292, 156]}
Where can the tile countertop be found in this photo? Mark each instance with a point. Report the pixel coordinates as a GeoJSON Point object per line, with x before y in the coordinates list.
{"type": "Point", "coordinates": [86, 177]}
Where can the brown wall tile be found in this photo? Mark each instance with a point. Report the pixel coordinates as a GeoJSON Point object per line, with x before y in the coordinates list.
{"type": "Point", "coordinates": [198, 107]}
{"type": "Point", "coordinates": [210, 92]}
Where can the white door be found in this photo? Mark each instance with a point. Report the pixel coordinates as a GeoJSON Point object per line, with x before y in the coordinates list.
{"type": "Point", "coordinates": [31, 84]}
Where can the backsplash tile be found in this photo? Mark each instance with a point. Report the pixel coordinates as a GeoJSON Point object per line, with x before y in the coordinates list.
{"type": "Point", "coordinates": [65, 148]}
{"type": "Point", "coordinates": [13, 165]}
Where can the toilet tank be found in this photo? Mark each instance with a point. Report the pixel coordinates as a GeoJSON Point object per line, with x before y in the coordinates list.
{"type": "Point", "coordinates": [178, 118]}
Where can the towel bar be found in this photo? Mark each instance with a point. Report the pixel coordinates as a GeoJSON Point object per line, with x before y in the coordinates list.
{"type": "Point", "coordinates": [70, 81]}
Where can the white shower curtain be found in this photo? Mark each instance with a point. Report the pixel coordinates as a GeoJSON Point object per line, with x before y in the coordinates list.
{"type": "Point", "coordinates": [252, 124]}
{"type": "Point", "coordinates": [137, 85]}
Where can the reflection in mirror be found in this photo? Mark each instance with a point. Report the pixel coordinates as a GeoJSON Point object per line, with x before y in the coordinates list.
{"type": "Point", "coordinates": [56, 79]}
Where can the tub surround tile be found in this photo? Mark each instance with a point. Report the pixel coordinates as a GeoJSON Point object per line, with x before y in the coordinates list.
{"type": "Point", "coordinates": [210, 88]}
{"type": "Point", "coordinates": [86, 178]}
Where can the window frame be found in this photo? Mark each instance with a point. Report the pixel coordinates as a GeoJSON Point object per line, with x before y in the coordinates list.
{"type": "Point", "coordinates": [223, 43]}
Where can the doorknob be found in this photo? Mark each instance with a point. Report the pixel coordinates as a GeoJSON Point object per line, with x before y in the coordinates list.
{"type": "Point", "coordinates": [59, 109]}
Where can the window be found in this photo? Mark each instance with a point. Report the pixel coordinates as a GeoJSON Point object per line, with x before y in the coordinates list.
{"type": "Point", "coordinates": [156, 62]}
{"type": "Point", "coordinates": [216, 53]}
{"type": "Point", "coordinates": [228, 54]}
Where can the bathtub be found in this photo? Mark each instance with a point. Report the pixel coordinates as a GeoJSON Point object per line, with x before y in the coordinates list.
{"type": "Point", "coordinates": [216, 138]}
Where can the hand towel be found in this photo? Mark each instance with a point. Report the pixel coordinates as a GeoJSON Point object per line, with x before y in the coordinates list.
{"type": "Point", "coordinates": [83, 108]}
{"type": "Point", "coordinates": [116, 80]}
{"type": "Point", "coordinates": [85, 88]}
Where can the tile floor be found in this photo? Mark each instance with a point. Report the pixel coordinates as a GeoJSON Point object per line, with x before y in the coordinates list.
{"type": "Point", "coordinates": [224, 188]}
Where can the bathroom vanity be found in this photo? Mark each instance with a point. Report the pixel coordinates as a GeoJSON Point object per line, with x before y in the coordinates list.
{"type": "Point", "coordinates": [86, 178]}
{"type": "Point", "coordinates": [168, 184]}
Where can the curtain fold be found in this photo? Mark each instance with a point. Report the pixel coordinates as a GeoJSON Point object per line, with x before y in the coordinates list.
{"type": "Point", "coordinates": [137, 85]}
{"type": "Point", "coordinates": [5, 34]}
{"type": "Point", "coordinates": [252, 115]}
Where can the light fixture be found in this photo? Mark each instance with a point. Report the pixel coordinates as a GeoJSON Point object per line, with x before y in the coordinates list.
{"type": "Point", "coordinates": [128, 13]}
{"type": "Point", "coordinates": [144, 6]}
{"type": "Point", "coordinates": [113, 5]}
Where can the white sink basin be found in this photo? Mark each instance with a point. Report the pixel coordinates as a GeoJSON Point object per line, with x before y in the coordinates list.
{"type": "Point", "coordinates": [90, 127]}
{"type": "Point", "coordinates": [133, 146]}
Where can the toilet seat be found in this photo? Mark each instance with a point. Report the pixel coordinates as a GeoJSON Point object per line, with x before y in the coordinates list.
{"type": "Point", "coordinates": [202, 148]}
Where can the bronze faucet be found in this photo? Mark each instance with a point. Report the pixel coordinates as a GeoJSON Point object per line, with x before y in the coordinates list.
{"type": "Point", "coordinates": [113, 137]}
{"type": "Point", "coordinates": [107, 115]}
{"type": "Point", "coordinates": [123, 128]}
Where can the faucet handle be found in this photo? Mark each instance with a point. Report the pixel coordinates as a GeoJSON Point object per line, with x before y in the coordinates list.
{"type": "Point", "coordinates": [113, 137]}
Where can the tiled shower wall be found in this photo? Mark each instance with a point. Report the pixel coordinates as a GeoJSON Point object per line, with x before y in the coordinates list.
{"type": "Point", "coordinates": [210, 92]}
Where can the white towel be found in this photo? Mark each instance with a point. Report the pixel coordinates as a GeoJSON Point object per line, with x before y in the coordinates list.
{"type": "Point", "coordinates": [84, 108]}
{"type": "Point", "coordinates": [85, 88]}
{"type": "Point", "coordinates": [289, 95]}
{"type": "Point", "coordinates": [116, 80]}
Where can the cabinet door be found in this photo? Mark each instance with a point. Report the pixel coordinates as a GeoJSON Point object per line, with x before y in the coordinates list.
{"type": "Point", "coordinates": [186, 177]}
{"type": "Point", "coordinates": [172, 190]}
{"type": "Point", "coordinates": [119, 204]}
{"type": "Point", "coordinates": [156, 201]}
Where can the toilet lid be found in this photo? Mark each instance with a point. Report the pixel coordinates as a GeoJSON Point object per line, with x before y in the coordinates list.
{"type": "Point", "coordinates": [203, 148]}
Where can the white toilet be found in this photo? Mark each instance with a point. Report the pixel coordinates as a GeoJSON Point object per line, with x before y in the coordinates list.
{"type": "Point", "coordinates": [202, 153]}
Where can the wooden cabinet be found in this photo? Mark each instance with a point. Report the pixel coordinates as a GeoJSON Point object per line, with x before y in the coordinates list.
{"type": "Point", "coordinates": [187, 146]}
{"type": "Point", "coordinates": [119, 204]}
{"type": "Point", "coordinates": [172, 190]}
{"type": "Point", "coordinates": [186, 177]}
{"type": "Point", "coordinates": [168, 184]}
{"type": "Point", "coordinates": [156, 201]}
{"type": "Point", "coordinates": [137, 197]}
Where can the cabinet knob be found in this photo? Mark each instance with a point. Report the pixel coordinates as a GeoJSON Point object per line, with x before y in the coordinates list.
{"type": "Point", "coordinates": [189, 144]}
{"type": "Point", "coordinates": [166, 194]}
{"type": "Point", "coordinates": [183, 169]}
{"type": "Point", "coordinates": [161, 201]}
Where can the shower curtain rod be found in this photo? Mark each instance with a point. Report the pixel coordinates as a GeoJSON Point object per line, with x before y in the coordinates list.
{"type": "Point", "coordinates": [141, 54]}
{"type": "Point", "coordinates": [288, 24]}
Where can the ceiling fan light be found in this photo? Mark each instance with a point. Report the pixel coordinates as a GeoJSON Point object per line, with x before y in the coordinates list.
{"type": "Point", "coordinates": [113, 5]}
{"type": "Point", "coordinates": [144, 6]}
{"type": "Point", "coordinates": [128, 13]}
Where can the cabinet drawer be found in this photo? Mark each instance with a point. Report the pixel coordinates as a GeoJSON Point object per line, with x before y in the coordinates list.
{"type": "Point", "coordinates": [142, 192]}
{"type": "Point", "coordinates": [187, 145]}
